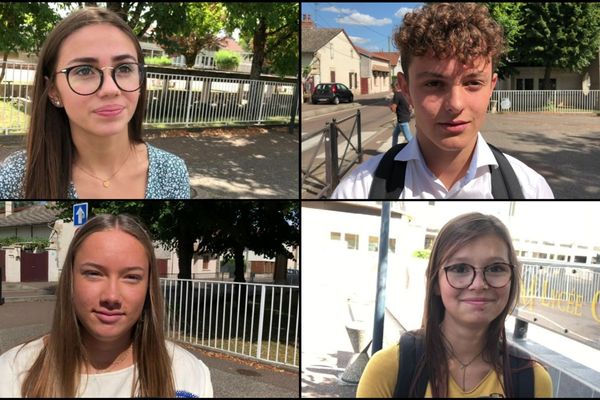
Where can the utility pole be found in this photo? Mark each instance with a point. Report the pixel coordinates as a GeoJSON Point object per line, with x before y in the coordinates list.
{"type": "Point", "coordinates": [384, 235]}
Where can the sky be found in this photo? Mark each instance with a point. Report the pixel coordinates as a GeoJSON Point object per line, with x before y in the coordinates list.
{"type": "Point", "coordinates": [369, 25]}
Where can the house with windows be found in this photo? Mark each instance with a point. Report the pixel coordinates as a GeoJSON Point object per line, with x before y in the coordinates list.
{"type": "Point", "coordinates": [374, 72]}
{"type": "Point", "coordinates": [394, 57]}
{"type": "Point", "coordinates": [328, 55]}
{"type": "Point", "coordinates": [532, 78]}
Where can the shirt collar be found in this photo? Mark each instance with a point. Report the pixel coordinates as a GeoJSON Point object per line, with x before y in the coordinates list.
{"type": "Point", "coordinates": [482, 157]}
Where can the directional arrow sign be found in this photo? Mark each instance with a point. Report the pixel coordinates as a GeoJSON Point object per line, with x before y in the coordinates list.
{"type": "Point", "coordinates": [80, 214]}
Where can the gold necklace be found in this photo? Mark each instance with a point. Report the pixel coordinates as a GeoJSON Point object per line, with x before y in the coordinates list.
{"type": "Point", "coordinates": [118, 361]}
{"type": "Point", "coordinates": [106, 182]}
{"type": "Point", "coordinates": [463, 367]}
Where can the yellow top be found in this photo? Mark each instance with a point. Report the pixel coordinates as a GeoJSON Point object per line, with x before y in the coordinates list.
{"type": "Point", "coordinates": [379, 379]}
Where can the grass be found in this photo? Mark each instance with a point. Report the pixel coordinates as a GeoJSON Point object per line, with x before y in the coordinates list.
{"type": "Point", "coordinates": [269, 350]}
{"type": "Point", "coordinates": [12, 119]}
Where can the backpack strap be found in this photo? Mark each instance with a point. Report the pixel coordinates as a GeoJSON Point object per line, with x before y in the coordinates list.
{"type": "Point", "coordinates": [388, 180]}
{"type": "Point", "coordinates": [505, 184]}
{"type": "Point", "coordinates": [411, 351]}
{"type": "Point", "coordinates": [521, 370]}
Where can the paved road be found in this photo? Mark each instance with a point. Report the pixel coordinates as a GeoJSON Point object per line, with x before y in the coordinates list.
{"type": "Point", "coordinates": [564, 148]}
{"type": "Point", "coordinates": [231, 376]}
{"type": "Point", "coordinates": [250, 163]}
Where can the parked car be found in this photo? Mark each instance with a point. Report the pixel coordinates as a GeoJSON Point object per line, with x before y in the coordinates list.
{"type": "Point", "coordinates": [331, 93]}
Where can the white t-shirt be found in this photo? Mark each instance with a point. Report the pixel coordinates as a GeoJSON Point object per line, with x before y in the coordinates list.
{"type": "Point", "coordinates": [421, 183]}
{"type": "Point", "coordinates": [191, 376]}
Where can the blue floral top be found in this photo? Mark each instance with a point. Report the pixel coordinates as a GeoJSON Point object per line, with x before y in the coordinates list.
{"type": "Point", "coordinates": [167, 176]}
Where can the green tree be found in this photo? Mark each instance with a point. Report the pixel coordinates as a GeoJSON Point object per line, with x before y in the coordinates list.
{"type": "Point", "coordinates": [24, 27]}
{"type": "Point", "coordinates": [559, 35]}
{"type": "Point", "coordinates": [509, 16]}
{"type": "Point", "coordinates": [265, 227]}
{"type": "Point", "coordinates": [196, 28]}
{"type": "Point", "coordinates": [272, 29]}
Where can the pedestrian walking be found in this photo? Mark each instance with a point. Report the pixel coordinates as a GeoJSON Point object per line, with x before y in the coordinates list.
{"type": "Point", "coordinates": [400, 106]}
{"type": "Point", "coordinates": [107, 335]}
{"type": "Point", "coordinates": [449, 54]}
{"type": "Point", "coordinates": [461, 350]}
{"type": "Point", "coordinates": [85, 134]}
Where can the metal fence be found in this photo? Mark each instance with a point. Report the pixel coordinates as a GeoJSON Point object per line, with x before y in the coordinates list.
{"type": "Point", "coordinates": [553, 101]}
{"type": "Point", "coordinates": [564, 298]}
{"type": "Point", "coordinates": [172, 100]}
{"type": "Point", "coordinates": [254, 320]}
{"type": "Point", "coordinates": [334, 141]}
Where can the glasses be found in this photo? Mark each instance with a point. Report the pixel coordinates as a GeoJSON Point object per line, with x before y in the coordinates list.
{"type": "Point", "coordinates": [87, 79]}
{"type": "Point", "coordinates": [496, 275]}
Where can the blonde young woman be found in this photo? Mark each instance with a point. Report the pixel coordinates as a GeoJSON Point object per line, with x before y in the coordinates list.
{"type": "Point", "coordinates": [472, 284]}
{"type": "Point", "coordinates": [107, 336]}
{"type": "Point", "coordinates": [85, 134]}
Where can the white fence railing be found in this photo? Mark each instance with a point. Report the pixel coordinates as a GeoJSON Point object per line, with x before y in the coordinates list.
{"type": "Point", "coordinates": [553, 101]}
{"type": "Point", "coordinates": [564, 298]}
{"type": "Point", "coordinates": [259, 321]}
{"type": "Point", "coordinates": [172, 100]}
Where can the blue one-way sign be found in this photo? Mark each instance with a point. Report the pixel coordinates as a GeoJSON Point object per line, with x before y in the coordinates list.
{"type": "Point", "coordinates": [80, 214]}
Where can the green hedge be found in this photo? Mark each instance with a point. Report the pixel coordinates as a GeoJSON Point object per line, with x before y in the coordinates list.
{"type": "Point", "coordinates": [227, 60]}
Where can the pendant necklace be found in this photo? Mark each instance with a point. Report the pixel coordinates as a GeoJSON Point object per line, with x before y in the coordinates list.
{"type": "Point", "coordinates": [463, 366]}
{"type": "Point", "coordinates": [105, 182]}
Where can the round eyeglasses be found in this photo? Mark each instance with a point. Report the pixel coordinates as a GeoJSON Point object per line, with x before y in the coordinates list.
{"type": "Point", "coordinates": [87, 79]}
{"type": "Point", "coordinates": [462, 275]}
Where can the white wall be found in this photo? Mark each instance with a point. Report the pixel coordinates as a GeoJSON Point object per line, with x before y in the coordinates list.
{"type": "Point", "coordinates": [343, 60]}
{"type": "Point", "coordinates": [13, 264]}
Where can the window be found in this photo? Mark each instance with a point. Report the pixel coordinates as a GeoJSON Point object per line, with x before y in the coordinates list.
{"type": "Point", "coordinates": [352, 241]}
{"type": "Point", "coordinates": [552, 84]}
{"type": "Point", "coordinates": [335, 236]}
{"type": "Point", "coordinates": [429, 241]}
{"type": "Point", "coordinates": [560, 257]}
{"type": "Point", "coordinates": [524, 84]}
{"type": "Point", "coordinates": [350, 79]}
{"type": "Point", "coordinates": [373, 243]}
{"type": "Point", "coordinates": [580, 259]}
{"type": "Point", "coordinates": [393, 245]}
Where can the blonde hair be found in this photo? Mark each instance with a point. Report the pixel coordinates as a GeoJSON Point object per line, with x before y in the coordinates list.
{"type": "Point", "coordinates": [57, 369]}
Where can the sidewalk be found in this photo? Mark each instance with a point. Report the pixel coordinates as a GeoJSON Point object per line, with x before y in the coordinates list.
{"type": "Point", "coordinates": [249, 162]}
{"type": "Point", "coordinates": [231, 376]}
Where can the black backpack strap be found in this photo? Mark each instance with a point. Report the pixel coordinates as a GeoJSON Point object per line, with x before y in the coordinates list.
{"type": "Point", "coordinates": [521, 369]}
{"type": "Point", "coordinates": [505, 184]}
{"type": "Point", "coordinates": [411, 351]}
{"type": "Point", "coordinates": [388, 180]}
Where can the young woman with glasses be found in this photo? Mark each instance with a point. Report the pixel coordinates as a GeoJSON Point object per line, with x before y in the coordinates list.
{"type": "Point", "coordinates": [473, 282]}
{"type": "Point", "coordinates": [85, 133]}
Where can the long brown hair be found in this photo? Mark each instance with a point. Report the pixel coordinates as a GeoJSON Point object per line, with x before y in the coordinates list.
{"type": "Point", "coordinates": [457, 233]}
{"type": "Point", "coordinates": [56, 371]}
{"type": "Point", "coordinates": [50, 147]}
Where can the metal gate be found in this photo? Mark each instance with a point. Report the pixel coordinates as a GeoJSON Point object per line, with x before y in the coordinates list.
{"type": "Point", "coordinates": [162, 267]}
{"type": "Point", "coordinates": [34, 266]}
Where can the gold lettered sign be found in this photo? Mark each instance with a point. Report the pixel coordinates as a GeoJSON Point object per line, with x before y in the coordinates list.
{"type": "Point", "coordinates": [562, 298]}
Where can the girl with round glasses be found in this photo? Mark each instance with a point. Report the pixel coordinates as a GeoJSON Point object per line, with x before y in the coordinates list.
{"type": "Point", "coordinates": [461, 349]}
{"type": "Point", "coordinates": [85, 133]}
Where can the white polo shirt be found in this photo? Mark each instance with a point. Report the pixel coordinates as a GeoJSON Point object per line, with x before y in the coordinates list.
{"type": "Point", "coordinates": [191, 376]}
{"type": "Point", "coordinates": [421, 183]}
